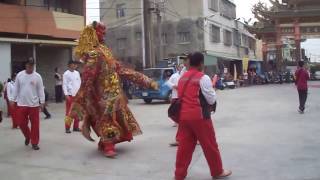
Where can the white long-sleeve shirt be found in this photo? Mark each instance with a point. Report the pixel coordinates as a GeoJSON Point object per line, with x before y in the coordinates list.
{"type": "Point", "coordinates": [29, 89]}
{"type": "Point", "coordinates": [173, 81]}
{"type": "Point", "coordinates": [207, 89]}
{"type": "Point", "coordinates": [10, 90]}
{"type": "Point", "coordinates": [71, 82]}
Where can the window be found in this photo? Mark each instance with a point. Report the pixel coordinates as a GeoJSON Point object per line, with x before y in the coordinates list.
{"type": "Point", "coordinates": [215, 34]}
{"type": "Point", "coordinates": [45, 3]}
{"type": "Point", "coordinates": [121, 43]}
{"type": "Point", "coordinates": [164, 38]}
{"type": "Point", "coordinates": [227, 38]}
{"type": "Point", "coordinates": [236, 38]}
{"type": "Point", "coordinates": [213, 5]}
{"type": "Point", "coordinates": [138, 36]}
{"type": "Point", "coordinates": [120, 10]}
{"type": "Point", "coordinates": [184, 37]}
{"type": "Point", "coordinates": [228, 9]}
{"type": "Point", "coordinates": [252, 43]}
{"type": "Point", "coordinates": [245, 40]}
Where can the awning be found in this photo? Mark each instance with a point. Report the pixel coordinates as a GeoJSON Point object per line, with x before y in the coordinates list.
{"type": "Point", "coordinates": [223, 55]}
{"type": "Point", "coordinates": [38, 41]}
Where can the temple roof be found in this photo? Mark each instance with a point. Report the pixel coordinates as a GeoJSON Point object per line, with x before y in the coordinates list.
{"type": "Point", "coordinates": [284, 12]}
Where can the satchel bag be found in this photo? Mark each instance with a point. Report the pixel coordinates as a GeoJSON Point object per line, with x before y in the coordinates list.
{"type": "Point", "coordinates": [175, 107]}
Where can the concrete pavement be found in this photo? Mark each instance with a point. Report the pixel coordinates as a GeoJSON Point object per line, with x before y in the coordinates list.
{"type": "Point", "coordinates": [260, 133]}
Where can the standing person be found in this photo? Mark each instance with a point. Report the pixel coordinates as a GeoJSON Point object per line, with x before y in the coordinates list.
{"type": "Point", "coordinates": [214, 80]}
{"type": "Point", "coordinates": [5, 96]}
{"type": "Point", "coordinates": [195, 123]}
{"type": "Point", "coordinates": [173, 84]}
{"type": "Point", "coordinates": [45, 110]}
{"type": "Point", "coordinates": [302, 77]}
{"type": "Point", "coordinates": [28, 92]}
{"type": "Point", "coordinates": [10, 89]}
{"type": "Point", "coordinates": [185, 68]}
{"type": "Point", "coordinates": [58, 86]}
{"type": "Point", "coordinates": [71, 86]}
{"type": "Point", "coordinates": [173, 81]}
{"type": "Point", "coordinates": [1, 89]}
{"type": "Point", "coordinates": [185, 64]}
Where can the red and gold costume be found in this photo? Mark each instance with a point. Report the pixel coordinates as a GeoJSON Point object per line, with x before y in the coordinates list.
{"type": "Point", "coordinates": [100, 102]}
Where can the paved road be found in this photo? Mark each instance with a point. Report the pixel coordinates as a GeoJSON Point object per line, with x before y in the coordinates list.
{"type": "Point", "coordinates": [260, 133]}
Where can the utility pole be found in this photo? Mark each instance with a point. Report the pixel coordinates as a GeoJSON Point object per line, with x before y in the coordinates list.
{"type": "Point", "coordinates": [159, 33]}
{"type": "Point", "coordinates": [148, 34]}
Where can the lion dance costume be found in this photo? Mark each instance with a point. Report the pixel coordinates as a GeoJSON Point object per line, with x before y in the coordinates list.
{"type": "Point", "coordinates": [100, 102]}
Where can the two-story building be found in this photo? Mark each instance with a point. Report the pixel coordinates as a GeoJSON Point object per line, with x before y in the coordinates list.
{"type": "Point", "coordinates": [209, 26]}
{"type": "Point", "coordinates": [45, 30]}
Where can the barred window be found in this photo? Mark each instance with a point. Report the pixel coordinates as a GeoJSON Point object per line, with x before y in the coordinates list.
{"type": "Point", "coordinates": [120, 10]}
{"type": "Point", "coordinates": [215, 34]}
{"type": "Point", "coordinates": [227, 38]}
{"type": "Point", "coordinates": [214, 5]}
{"type": "Point", "coordinates": [184, 37]}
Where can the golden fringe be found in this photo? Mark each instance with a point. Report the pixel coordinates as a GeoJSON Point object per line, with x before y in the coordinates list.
{"type": "Point", "coordinates": [87, 42]}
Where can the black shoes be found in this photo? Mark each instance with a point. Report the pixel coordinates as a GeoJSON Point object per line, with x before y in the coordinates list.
{"type": "Point", "coordinates": [35, 147]}
{"type": "Point", "coordinates": [27, 142]}
{"type": "Point", "coordinates": [68, 131]}
{"type": "Point", "coordinates": [47, 117]}
{"type": "Point", "coordinates": [76, 129]}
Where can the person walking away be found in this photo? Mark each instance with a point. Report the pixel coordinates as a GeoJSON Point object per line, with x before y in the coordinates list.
{"type": "Point", "coordinates": [28, 92]}
{"type": "Point", "coordinates": [45, 110]}
{"type": "Point", "coordinates": [302, 77]}
{"type": "Point", "coordinates": [58, 86]}
{"type": "Point", "coordinates": [195, 122]}
{"type": "Point", "coordinates": [12, 108]}
{"type": "Point", "coordinates": [71, 85]}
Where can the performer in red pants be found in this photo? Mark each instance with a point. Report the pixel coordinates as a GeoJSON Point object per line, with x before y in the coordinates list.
{"type": "Point", "coordinates": [28, 92]}
{"type": "Point", "coordinates": [68, 123]}
{"type": "Point", "coordinates": [197, 94]}
{"type": "Point", "coordinates": [71, 86]}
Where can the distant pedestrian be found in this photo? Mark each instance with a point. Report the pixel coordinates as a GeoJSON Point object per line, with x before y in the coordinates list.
{"type": "Point", "coordinates": [45, 110]}
{"type": "Point", "coordinates": [58, 85]}
{"type": "Point", "coordinates": [195, 122]}
{"type": "Point", "coordinates": [1, 89]}
{"type": "Point", "coordinates": [71, 86]}
{"type": "Point", "coordinates": [5, 96]}
{"type": "Point", "coordinates": [29, 91]}
{"type": "Point", "coordinates": [302, 77]}
{"type": "Point", "coordinates": [12, 108]}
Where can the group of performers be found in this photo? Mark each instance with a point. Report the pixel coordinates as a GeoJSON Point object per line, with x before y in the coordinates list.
{"type": "Point", "coordinates": [98, 101]}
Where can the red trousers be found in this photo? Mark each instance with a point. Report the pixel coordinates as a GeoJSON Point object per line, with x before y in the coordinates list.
{"type": "Point", "coordinates": [69, 101]}
{"type": "Point", "coordinates": [189, 132]}
{"type": "Point", "coordinates": [24, 114]}
{"type": "Point", "coordinates": [13, 109]}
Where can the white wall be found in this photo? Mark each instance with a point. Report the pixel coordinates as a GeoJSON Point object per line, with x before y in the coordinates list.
{"type": "Point", "coordinates": [5, 61]}
{"type": "Point", "coordinates": [5, 65]}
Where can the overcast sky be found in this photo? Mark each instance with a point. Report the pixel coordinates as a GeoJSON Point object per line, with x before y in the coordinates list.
{"type": "Point", "coordinates": [243, 11]}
